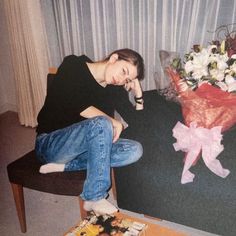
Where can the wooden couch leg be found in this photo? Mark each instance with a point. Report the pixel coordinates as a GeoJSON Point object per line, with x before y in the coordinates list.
{"type": "Point", "coordinates": [20, 205]}
{"type": "Point", "coordinates": [113, 181]}
{"type": "Point", "coordinates": [83, 213]}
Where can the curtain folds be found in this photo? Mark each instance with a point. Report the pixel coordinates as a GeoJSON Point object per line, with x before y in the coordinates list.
{"type": "Point", "coordinates": [28, 55]}
{"type": "Point", "coordinates": [97, 27]}
{"type": "Point", "coordinates": [43, 32]}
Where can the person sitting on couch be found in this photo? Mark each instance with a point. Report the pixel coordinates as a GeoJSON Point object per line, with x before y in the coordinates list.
{"type": "Point", "coordinates": [76, 129]}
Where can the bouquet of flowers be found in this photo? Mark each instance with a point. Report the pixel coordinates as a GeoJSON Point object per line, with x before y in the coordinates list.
{"type": "Point", "coordinates": [206, 87]}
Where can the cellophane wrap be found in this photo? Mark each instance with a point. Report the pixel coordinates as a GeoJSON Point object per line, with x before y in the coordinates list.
{"type": "Point", "coordinates": [206, 107]}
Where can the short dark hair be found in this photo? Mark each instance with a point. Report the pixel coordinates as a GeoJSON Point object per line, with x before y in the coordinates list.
{"type": "Point", "coordinates": [131, 56]}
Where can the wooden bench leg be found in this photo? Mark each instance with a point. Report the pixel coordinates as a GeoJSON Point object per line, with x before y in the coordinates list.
{"type": "Point", "coordinates": [83, 213]}
{"type": "Point", "coordinates": [113, 181]}
{"type": "Point", "coordinates": [20, 205]}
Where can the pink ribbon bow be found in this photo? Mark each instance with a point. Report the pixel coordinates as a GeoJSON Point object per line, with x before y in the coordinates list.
{"type": "Point", "coordinates": [193, 140]}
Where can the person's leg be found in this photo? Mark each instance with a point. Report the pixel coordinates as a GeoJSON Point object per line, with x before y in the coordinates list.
{"type": "Point", "coordinates": [88, 145]}
{"type": "Point", "coordinates": [98, 179]}
{"type": "Point", "coordinates": [125, 152]}
{"type": "Point", "coordinates": [63, 145]}
{"type": "Point", "coordinates": [93, 137]}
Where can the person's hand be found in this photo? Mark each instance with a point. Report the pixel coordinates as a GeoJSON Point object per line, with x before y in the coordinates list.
{"type": "Point", "coordinates": [117, 129]}
{"type": "Point", "coordinates": [92, 111]}
{"type": "Point", "coordinates": [136, 87]}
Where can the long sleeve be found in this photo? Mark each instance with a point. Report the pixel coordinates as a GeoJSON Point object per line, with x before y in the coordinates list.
{"type": "Point", "coordinates": [122, 104]}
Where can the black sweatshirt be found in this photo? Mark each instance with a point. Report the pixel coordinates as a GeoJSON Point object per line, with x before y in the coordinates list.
{"type": "Point", "coordinates": [73, 90]}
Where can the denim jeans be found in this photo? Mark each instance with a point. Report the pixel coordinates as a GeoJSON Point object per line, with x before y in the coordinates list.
{"type": "Point", "coordinates": [88, 145]}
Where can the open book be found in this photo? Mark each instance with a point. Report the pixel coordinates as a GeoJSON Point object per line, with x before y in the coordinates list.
{"type": "Point", "coordinates": [105, 225]}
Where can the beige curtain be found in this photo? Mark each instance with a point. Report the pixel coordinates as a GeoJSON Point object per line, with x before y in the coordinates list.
{"type": "Point", "coordinates": [146, 26]}
{"type": "Point", "coordinates": [29, 56]}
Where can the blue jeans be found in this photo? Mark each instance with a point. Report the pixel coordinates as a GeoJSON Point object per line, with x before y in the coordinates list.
{"type": "Point", "coordinates": [88, 145]}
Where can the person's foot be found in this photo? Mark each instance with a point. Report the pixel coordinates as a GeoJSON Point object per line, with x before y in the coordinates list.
{"type": "Point", "coordinates": [100, 207]}
{"type": "Point", "coordinates": [51, 167]}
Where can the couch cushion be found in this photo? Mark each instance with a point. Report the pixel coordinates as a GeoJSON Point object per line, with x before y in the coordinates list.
{"type": "Point", "coordinates": [152, 185]}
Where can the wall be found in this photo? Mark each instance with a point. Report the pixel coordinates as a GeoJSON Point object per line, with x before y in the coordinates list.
{"type": "Point", "coordinates": [7, 84]}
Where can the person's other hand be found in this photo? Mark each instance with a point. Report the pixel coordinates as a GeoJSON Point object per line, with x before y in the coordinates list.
{"type": "Point", "coordinates": [117, 129]}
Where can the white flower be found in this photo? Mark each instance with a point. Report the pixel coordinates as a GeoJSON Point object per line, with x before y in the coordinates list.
{"type": "Point", "coordinates": [233, 67]}
{"type": "Point", "coordinates": [221, 60]}
{"type": "Point", "coordinates": [209, 48]}
{"type": "Point", "coordinates": [198, 65]}
{"type": "Point", "coordinates": [222, 86]}
{"type": "Point", "coordinates": [210, 65]}
{"type": "Point", "coordinates": [217, 74]}
{"type": "Point", "coordinates": [198, 73]}
{"type": "Point", "coordinates": [203, 82]}
{"type": "Point", "coordinates": [189, 66]}
{"type": "Point", "coordinates": [232, 87]}
{"type": "Point", "coordinates": [231, 83]}
{"type": "Point", "coordinates": [233, 56]}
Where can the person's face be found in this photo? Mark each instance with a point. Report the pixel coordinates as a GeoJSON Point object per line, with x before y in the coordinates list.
{"type": "Point", "coordinates": [119, 72]}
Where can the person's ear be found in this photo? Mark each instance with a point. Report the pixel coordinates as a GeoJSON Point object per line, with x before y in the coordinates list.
{"type": "Point", "coordinates": [113, 58]}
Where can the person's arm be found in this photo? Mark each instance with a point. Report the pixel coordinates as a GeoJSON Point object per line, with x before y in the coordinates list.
{"type": "Point", "coordinates": [138, 93]}
{"type": "Point", "coordinates": [92, 111]}
{"type": "Point", "coordinates": [131, 113]}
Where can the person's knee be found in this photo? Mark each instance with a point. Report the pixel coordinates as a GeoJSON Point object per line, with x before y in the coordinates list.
{"type": "Point", "coordinates": [139, 151]}
{"type": "Point", "coordinates": [105, 123]}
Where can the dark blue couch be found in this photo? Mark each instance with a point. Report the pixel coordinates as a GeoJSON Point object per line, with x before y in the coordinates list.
{"type": "Point", "coordinates": [152, 185]}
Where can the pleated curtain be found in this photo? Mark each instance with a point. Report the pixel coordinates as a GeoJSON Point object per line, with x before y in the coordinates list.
{"type": "Point", "coordinates": [43, 32]}
{"type": "Point", "coordinates": [97, 27]}
{"type": "Point", "coordinates": [28, 49]}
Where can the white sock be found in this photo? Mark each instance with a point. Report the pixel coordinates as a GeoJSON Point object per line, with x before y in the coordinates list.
{"type": "Point", "coordinates": [52, 167]}
{"type": "Point", "coordinates": [100, 207]}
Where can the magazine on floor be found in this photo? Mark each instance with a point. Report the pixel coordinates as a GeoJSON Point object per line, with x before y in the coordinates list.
{"type": "Point", "coordinates": [104, 225]}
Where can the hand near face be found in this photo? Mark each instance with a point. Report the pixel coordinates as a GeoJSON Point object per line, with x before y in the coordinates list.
{"type": "Point", "coordinates": [136, 87]}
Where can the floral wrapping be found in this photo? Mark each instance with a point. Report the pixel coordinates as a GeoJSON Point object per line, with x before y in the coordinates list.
{"type": "Point", "coordinates": [206, 111]}
{"type": "Point", "coordinates": [206, 88]}
{"type": "Point", "coordinates": [208, 106]}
